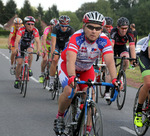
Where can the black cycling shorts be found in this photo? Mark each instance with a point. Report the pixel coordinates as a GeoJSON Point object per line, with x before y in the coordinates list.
{"type": "Point", "coordinates": [118, 49]}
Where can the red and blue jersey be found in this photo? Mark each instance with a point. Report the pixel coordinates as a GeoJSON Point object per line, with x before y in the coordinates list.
{"type": "Point", "coordinates": [87, 52]}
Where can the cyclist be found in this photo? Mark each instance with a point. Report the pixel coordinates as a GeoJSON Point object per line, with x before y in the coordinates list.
{"type": "Point", "coordinates": [60, 35]}
{"type": "Point", "coordinates": [11, 39]}
{"type": "Point", "coordinates": [109, 23]}
{"type": "Point", "coordinates": [120, 35]}
{"type": "Point", "coordinates": [144, 63]}
{"type": "Point", "coordinates": [84, 47]}
{"type": "Point", "coordinates": [46, 42]}
{"type": "Point", "coordinates": [25, 40]}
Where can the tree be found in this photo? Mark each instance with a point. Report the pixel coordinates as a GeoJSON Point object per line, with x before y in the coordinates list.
{"type": "Point", "coordinates": [27, 10]}
{"type": "Point", "coordinates": [40, 12]}
{"type": "Point", "coordinates": [2, 21]}
{"type": "Point", "coordinates": [10, 10]}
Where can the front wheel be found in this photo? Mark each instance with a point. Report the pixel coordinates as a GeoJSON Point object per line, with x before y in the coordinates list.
{"type": "Point", "coordinates": [95, 119]}
{"type": "Point", "coordinates": [140, 131]}
{"type": "Point", "coordinates": [122, 93]}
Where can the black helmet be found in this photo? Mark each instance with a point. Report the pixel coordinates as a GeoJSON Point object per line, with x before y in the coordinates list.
{"type": "Point", "coordinates": [64, 20]}
{"type": "Point", "coordinates": [123, 21]}
{"type": "Point", "coordinates": [28, 19]}
{"type": "Point", "coordinates": [94, 17]}
{"type": "Point", "coordinates": [109, 20]}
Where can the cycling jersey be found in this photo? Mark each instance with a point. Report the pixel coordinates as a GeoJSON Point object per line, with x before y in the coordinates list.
{"type": "Point", "coordinates": [144, 61]}
{"type": "Point", "coordinates": [27, 38]}
{"type": "Point", "coordinates": [86, 52]}
{"type": "Point", "coordinates": [13, 31]}
{"type": "Point", "coordinates": [61, 37]}
{"type": "Point", "coordinates": [120, 41]}
{"type": "Point", "coordinates": [47, 31]}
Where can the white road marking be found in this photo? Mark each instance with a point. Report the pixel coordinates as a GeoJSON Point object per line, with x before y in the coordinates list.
{"type": "Point", "coordinates": [128, 130]}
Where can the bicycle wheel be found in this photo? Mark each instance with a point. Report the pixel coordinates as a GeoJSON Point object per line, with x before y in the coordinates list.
{"type": "Point", "coordinates": [53, 92]}
{"type": "Point", "coordinates": [122, 93]}
{"type": "Point", "coordinates": [69, 117]}
{"type": "Point", "coordinates": [45, 81]}
{"type": "Point", "coordinates": [102, 79]}
{"type": "Point", "coordinates": [140, 131]}
{"type": "Point", "coordinates": [24, 80]}
{"type": "Point", "coordinates": [96, 120]}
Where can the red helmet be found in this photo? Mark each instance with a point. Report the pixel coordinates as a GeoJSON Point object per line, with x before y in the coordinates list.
{"type": "Point", "coordinates": [64, 20]}
{"type": "Point", "coordinates": [54, 21]}
{"type": "Point", "coordinates": [94, 17]}
{"type": "Point", "coordinates": [29, 19]}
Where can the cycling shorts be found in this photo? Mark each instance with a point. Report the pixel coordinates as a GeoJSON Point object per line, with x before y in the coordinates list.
{"type": "Point", "coordinates": [118, 49]}
{"type": "Point", "coordinates": [83, 75]}
{"type": "Point", "coordinates": [23, 48]}
{"type": "Point", "coordinates": [144, 63]}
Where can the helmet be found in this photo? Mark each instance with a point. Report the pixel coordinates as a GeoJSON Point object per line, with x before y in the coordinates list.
{"type": "Point", "coordinates": [64, 20]}
{"type": "Point", "coordinates": [94, 17]}
{"type": "Point", "coordinates": [54, 21]}
{"type": "Point", "coordinates": [29, 19]}
{"type": "Point", "coordinates": [18, 20]}
{"type": "Point", "coordinates": [109, 20]}
{"type": "Point", "coordinates": [123, 21]}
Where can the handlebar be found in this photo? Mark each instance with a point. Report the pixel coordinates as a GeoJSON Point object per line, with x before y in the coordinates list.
{"type": "Point", "coordinates": [25, 52]}
{"type": "Point", "coordinates": [92, 83]}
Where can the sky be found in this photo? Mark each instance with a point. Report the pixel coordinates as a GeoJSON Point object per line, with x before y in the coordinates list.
{"type": "Point", "coordinates": [62, 5]}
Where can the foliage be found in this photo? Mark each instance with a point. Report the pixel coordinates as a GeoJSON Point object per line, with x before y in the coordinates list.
{"type": "Point", "coordinates": [137, 11]}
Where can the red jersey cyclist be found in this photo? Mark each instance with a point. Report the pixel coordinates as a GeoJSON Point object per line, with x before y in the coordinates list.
{"type": "Point", "coordinates": [84, 47]}
{"type": "Point", "coordinates": [11, 39]}
{"type": "Point", "coordinates": [120, 35]}
{"type": "Point", "coordinates": [25, 38]}
{"type": "Point", "coordinates": [109, 23]}
{"type": "Point", "coordinates": [46, 44]}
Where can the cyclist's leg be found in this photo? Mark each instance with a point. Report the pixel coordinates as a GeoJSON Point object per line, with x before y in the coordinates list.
{"type": "Point", "coordinates": [144, 67]}
{"type": "Point", "coordinates": [13, 54]}
{"type": "Point", "coordinates": [53, 69]}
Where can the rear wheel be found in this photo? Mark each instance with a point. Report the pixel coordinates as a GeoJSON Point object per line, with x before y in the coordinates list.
{"type": "Point", "coordinates": [140, 131]}
{"type": "Point", "coordinates": [122, 93]}
{"type": "Point", "coordinates": [45, 81]}
{"type": "Point", "coordinates": [53, 92]}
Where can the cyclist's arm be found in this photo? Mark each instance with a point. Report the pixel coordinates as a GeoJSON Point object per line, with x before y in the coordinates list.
{"type": "Point", "coordinates": [71, 59]}
{"type": "Point", "coordinates": [18, 37]}
{"type": "Point", "coordinates": [53, 44]}
{"type": "Point", "coordinates": [109, 60]}
{"type": "Point", "coordinates": [9, 39]}
{"type": "Point", "coordinates": [132, 50]}
{"type": "Point", "coordinates": [37, 40]}
{"type": "Point", "coordinates": [44, 40]}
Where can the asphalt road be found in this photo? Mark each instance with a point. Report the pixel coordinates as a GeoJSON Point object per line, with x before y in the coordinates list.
{"type": "Point", "coordinates": [34, 114]}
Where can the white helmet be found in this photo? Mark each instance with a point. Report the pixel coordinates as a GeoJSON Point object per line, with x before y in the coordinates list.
{"type": "Point", "coordinates": [94, 17]}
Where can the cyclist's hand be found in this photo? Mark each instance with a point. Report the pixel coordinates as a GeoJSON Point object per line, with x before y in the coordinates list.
{"type": "Point", "coordinates": [117, 83]}
{"type": "Point", "coordinates": [38, 53]}
{"type": "Point", "coordinates": [71, 81]}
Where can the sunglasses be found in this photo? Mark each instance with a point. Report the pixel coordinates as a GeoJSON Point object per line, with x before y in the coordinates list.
{"type": "Point", "coordinates": [92, 27]}
{"type": "Point", "coordinates": [123, 28]}
{"type": "Point", "coordinates": [30, 24]}
{"type": "Point", "coordinates": [64, 25]}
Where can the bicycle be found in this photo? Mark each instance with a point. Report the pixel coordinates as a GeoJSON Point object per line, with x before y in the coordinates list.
{"type": "Point", "coordinates": [46, 73]}
{"type": "Point", "coordinates": [140, 131]}
{"type": "Point", "coordinates": [25, 72]}
{"type": "Point", "coordinates": [76, 122]}
{"type": "Point", "coordinates": [57, 84]}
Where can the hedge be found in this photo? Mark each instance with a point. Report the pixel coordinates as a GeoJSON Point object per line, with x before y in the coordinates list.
{"type": "Point", "coordinates": [4, 33]}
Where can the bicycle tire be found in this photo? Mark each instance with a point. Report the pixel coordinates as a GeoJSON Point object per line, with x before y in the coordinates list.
{"type": "Point", "coordinates": [26, 76]}
{"type": "Point", "coordinates": [96, 93]}
{"type": "Point", "coordinates": [140, 131]}
{"type": "Point", "coordinates": [122, 93]}
{"type": "Point", "coordinates": [97, 125]}
{"type": "Point", "coordinates": [44, 81]}
{"type": "Point", "coordinates": [102, 79]}
{"type": "Point", "coordinates": [53, 92]}
{"type": "Point", "coordinates": [69, 118]}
